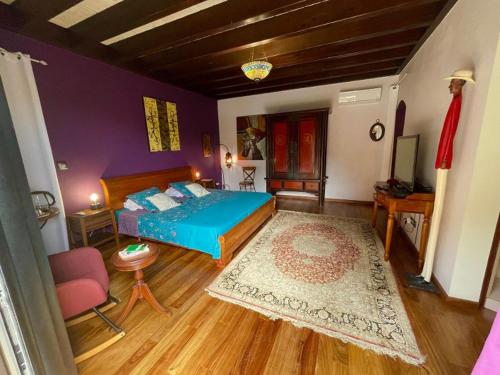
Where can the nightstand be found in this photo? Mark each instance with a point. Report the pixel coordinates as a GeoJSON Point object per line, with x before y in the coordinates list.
{"type": "Point", "coordinates": [207, 183]}
{"type": "Point", "coordinates": [87, 221]}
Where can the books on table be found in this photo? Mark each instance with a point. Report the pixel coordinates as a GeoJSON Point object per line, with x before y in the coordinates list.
{"type": "Point", "coordinates": [132, 251]}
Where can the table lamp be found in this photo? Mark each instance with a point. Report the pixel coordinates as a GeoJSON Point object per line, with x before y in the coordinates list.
{"type": "Point", "coordinates": [94, 202]}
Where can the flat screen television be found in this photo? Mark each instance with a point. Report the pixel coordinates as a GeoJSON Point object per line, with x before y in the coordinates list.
{"type": "Point", "coordinates": [406, 161]}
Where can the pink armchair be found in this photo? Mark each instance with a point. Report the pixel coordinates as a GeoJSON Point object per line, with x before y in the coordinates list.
{"type": "Point", "coordinates": [82, 284]}
{"type": "Point", "coordinates": [81, 280]}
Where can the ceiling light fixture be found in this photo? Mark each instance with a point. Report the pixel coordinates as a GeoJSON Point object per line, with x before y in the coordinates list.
{"type": "Point", "coordinates": [256, 70]}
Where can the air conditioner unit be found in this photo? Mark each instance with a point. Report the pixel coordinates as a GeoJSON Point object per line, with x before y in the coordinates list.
{"type": "Point", "coordinates": [361, 96]}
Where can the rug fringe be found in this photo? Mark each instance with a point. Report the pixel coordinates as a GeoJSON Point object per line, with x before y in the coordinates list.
{"type": "Point", "coordinates": [300, 324]}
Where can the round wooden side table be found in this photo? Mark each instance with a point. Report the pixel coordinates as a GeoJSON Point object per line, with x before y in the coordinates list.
{"type": "Point", "coordinates": [140, 289]}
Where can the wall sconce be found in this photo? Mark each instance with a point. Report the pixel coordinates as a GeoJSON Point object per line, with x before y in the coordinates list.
{"type": "Point", "coordinates": [197, 175]}
{"type": "Point", "coordinates": [228, 158]}
{"type": "Point", "coordinates": [94, 202]}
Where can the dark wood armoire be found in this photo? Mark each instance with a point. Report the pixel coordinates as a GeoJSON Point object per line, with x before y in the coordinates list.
{"type": "Point", "coordinates": [296, 152]}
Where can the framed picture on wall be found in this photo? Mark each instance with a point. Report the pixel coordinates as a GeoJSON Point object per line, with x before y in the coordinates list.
{"type": "Point", "coordinates": [162, 125]}
{"type": "Point", "coordinates": [251, 137]}
{"type": "Point", "coordinates": [206, 143]}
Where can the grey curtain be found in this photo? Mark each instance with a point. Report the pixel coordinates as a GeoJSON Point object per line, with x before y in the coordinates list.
{"type": "Point", "coordinates": [25, 264]}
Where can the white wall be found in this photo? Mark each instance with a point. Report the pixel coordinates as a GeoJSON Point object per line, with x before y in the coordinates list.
{"type": "Point", "coordinates": [466, 38]}
{"type": "Point", "coordinates": [483, 204]}
{"type": "Point", "coordinates": [354, 161]}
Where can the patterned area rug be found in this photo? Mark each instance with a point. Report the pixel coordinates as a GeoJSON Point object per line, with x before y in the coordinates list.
{"type": "Point", "coordinates": [325, 273]}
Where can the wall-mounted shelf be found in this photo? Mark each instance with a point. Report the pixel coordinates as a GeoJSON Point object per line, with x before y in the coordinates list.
{"type": "Point", "coordinates": [49, 214]}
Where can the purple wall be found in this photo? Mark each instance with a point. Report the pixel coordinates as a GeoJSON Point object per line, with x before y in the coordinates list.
{"type": "Point", "coordinates": [95, 119]}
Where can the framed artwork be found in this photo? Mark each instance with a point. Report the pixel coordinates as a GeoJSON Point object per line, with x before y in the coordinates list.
{"type": "Point", "coordinates": [251, 137]}
{"type": "Point", "coordinates": [162, 125]}
{"type": "Point", "coordinates": [206, 143]}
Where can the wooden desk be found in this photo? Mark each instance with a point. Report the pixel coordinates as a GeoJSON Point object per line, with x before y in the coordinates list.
{"type": "Point", "coordinates": [420, 203]}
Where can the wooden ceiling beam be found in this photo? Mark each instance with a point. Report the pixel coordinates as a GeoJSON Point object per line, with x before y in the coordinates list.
{"type": "Point", "coordinates": [221, 18]}
{"type": "Point", "coordinates": [276, 29]}
{"type": "Point", "coordinates": [343, 32]}
{"type": "Point", "coordinates": [324, 53]}
{"type": "Point", "coordinates": [312, 77]}
{"type": "Point", "coordinates": [297, 71]}
{"type": "Point", "coordinates": [444, 11]}
{"type": "Point", "coordinates": [44, 10]}
{"type": "Point", "coordinates": [309, 42]}
{"type": "Point", "coordinates": [21, 22]}
{"type": "Point", "coordinates": [297, 85]}
{"type": "Point", "coordinates": [128, 15]}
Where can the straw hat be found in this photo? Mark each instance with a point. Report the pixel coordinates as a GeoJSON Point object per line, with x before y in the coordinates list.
{"type": "Point", "coordinates": [463, 74]}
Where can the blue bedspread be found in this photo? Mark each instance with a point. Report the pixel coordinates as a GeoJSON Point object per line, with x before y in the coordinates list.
{"type": "Point", "coordinates": [198, 222]}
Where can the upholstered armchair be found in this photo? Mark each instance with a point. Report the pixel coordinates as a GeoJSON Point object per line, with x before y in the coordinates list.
{"type": "Point", "coordinates": [82, 285]}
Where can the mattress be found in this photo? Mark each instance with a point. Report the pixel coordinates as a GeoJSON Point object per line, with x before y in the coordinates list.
{"type": "Point", "coordinates": [197, 223]}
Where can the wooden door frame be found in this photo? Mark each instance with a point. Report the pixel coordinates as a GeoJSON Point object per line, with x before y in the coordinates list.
{"type": "Point", "coordinates": [490, 265]}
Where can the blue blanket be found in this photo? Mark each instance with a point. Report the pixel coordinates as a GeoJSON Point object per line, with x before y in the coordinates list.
{"type": "Point", "coordinates": [198, 222]}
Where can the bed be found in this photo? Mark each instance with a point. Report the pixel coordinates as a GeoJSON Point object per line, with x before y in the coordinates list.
{"type": "Point", "coordinates": [216, 224]}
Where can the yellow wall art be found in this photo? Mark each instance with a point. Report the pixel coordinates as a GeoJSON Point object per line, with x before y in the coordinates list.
{"type": "Point", "coordinates": [162, 125]}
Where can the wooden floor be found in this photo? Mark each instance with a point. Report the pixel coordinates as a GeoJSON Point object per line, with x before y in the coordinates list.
{"type": "Point", "coordinates": [208, 336]}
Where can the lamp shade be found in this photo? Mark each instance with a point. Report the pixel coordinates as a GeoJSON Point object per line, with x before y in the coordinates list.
{"type": "Point", "coordinates": [229, 159]}
{"type": "Point", "coordinates": [257, 70]}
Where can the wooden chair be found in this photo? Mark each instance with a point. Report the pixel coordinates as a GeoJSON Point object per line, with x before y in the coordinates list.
{"type": "Point", "coordinates": [248, 179]}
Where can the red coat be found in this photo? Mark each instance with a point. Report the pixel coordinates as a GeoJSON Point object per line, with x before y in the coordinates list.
{"type": "Point", "coordinates": [445, 149]}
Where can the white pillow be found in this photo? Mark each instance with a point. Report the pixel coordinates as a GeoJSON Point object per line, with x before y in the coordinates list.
{"type": "Point", "coordinates": [174, 193]}
{"type": "Point", "coordinates": [132, 206]}
{"type": "Point", "coordinates": [162, 201]}
{"type": "Point", "coordinates": [197, 190]}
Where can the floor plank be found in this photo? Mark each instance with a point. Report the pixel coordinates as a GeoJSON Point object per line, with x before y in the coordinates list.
{"type": "Point", "coordinates": [209, 336]}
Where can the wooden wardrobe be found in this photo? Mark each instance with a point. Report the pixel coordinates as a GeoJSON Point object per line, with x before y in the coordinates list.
{"type": "Point", "coordinates": [296, 152]}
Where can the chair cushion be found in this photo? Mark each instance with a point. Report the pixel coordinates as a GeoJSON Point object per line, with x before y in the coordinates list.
{"type": "Point", "coordinates": [78, 296]}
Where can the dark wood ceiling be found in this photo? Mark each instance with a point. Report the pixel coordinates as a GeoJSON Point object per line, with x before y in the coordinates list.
{"type": "Point", "coordinates": [309, 42]}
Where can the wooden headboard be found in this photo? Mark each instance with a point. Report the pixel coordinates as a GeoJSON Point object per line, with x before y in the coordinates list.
{"type": "Point", "coordinates": [117, 188]}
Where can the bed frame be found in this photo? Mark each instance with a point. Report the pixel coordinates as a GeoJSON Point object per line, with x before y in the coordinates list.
{"type": "Point", "coordinates": [117, 188]}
